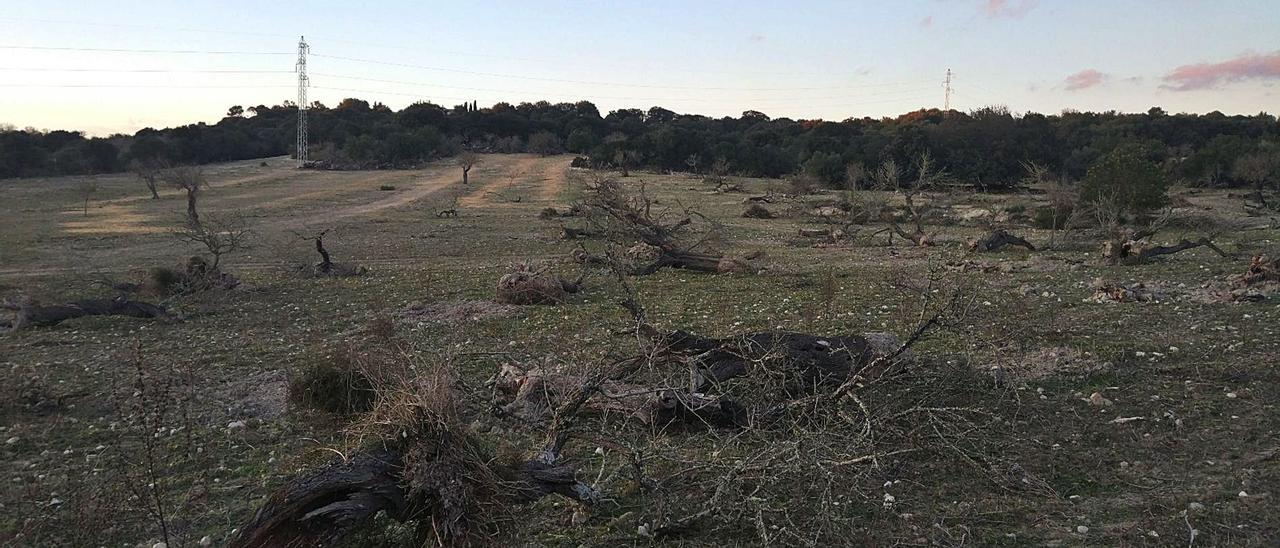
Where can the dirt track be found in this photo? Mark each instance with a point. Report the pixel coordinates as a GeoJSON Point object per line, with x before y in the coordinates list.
{"type": "Point", "coordinates": [126, 228]}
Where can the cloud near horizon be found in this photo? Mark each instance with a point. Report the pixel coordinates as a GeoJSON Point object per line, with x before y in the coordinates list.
{"type": "Point", "coordinates": [926, 22]}
{"type": "Point", "coordinates": [1248, 66]}
{"type": "Point", "coordinates": [1085, 79]}
{"type": "Point", "coordinates": [1007, 8]}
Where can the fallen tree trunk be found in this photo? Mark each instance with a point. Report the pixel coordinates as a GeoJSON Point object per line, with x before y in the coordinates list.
{"type": "Point", "coordinates": [535, 393]}
{"type": "Point", "coordinates": [322, 506]}
{"type": "Point", "coordinates": [1138, 251]}
{"type": "Point", "coordinates": [570, 233]}
{"type": "Point", "coordinates": [997, 239]}
{"type": "Point", "coordinates": [30, 314]}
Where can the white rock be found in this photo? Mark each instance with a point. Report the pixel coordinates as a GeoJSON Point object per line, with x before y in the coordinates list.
{"type": "Point", "coordinates": [1232, 395]}
{"type": "Point", "coordinates": [12, 440]}
{"type": "Point", "coordinates": [235, 425]}
{"type": "Point", "coordinates": [206, 540]}
{"type": "Point", "coordinates": [1082, 529]}
{"type": "Point", "coordinates": [1195, 506]}
{"type": "Point", "coordinates": [159, 545]}
{"type": "Point", "coordinates": [1242, 494]}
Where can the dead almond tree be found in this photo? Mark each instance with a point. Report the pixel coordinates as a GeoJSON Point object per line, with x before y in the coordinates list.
{"type": "Point", "coordinates": [927, 177]}
{"type": "Point", "coordinates": [467, 160]}
{"type": "Point", "coordinates": [148, 171]}
{"type": "Point", "coordinates": [326, 266]}
{"type": "Point", "coordinates": [86, 186]}
{"type": "Point", "coordinates": [219, 234]}
{"type": "Point", "coordinates": [191, 180]}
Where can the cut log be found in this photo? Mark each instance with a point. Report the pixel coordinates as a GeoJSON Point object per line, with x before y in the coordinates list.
{"type": "Point", "coordinates": [997, 239]}
{"type": "Point", "coordinates": [29, 314]}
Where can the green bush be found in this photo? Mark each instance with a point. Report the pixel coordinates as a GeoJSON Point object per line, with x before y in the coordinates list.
{"type": "Point", "coordinates": [1127, 179]}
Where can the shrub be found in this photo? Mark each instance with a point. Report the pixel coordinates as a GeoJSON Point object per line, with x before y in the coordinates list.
{"type": "Point", "coordinates": [164, 280]}
{"type": "Point", "coordinates": [1128, 178]}
{"type": "Point", "coordinates": [802, 184]}
{"type": "Point", "coordinates": [334, 384]}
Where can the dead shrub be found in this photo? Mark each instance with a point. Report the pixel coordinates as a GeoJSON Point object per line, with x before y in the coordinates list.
{"type": "Point", "coordinates": [757, 211]}
{"type": "Point", "coordinates": [530, 285]}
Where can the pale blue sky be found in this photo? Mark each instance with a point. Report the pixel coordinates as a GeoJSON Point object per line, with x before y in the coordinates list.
{"type": "Point", "coordinates": [797, 59]}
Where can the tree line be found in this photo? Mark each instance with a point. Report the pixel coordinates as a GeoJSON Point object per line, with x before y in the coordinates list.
{"type": "Point", "coordinates": [988, 148]}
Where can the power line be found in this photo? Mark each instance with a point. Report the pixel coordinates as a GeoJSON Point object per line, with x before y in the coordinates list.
{"type": "Point", "coordinates": [748, 101]}
{"type": "Point", "coordinates": [570, 81]}
{"type": "Point", "coordinates": [578, 95]}
{"type": "Point", "coordinates": [166, 86]}
{"type": "Point", "coordinates": [124, 50]}
{"type": "Point", "coordinates": [131, 71]}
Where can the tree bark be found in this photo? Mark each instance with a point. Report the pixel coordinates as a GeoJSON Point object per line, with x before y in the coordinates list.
{"type": "Point", "coordinates": [28, 314]}
{"type": "Point", "coordinates": [321, 506]}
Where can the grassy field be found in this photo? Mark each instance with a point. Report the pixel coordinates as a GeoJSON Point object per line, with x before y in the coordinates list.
{"type": "Point", "coordinates": [1195, 377]}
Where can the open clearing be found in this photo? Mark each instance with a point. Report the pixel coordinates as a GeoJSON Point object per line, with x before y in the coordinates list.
{"type": "Point", "coordinates": [1194, 380]}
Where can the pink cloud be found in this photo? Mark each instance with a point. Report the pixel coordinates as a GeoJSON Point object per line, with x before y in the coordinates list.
{"type": "Point", "coordinates": [1249, 66]}
{"type": "Point", "coordinates": [1007, 8]}
{"type": "Point", "coordinates": [926, 22]}
{"type": "Point", "coordinates": [1084, 79]}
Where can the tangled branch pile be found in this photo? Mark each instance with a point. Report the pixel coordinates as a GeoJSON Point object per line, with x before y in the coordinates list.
{"type": "Point", "coordinates": [654, 238]}
{"type": "Point", "coordinates": [530, 284]}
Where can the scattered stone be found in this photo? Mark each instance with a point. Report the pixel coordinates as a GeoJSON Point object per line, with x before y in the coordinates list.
{"type": "Point", "coordinates": [235, 425]}
{"type": "Point", "coordinates": [579, 517]}
{"type": "Point", "coordinates": [1082, 529]}
{"type": "Point", "coordinates": [1096, 399]}
{"type": "Point", "coordinates": [206, 541]}
{"type": "Point", "coordinates": [1243, 494]}
{"type": "Point", "coordinates": [12, 440]}
{"type": "Point", "coordinates": [1195, 506]}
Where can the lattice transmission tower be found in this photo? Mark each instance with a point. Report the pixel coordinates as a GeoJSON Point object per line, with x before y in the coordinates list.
{"type": "Point", "coordinates": [946, 98]}
{"type": "Point", "coordinates": [303, 82]}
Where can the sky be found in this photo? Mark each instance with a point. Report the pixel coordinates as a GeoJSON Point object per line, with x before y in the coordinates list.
{"type": "Point", "coordinates": [798, 59]}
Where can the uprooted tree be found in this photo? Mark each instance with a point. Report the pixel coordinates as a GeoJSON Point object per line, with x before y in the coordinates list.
{"type": "Point", "coordinates": [652, 236]}
{"type": "Point", "coordinates": [926, 178]}
{"type": "Point", "coordinates": [1133, 246]}
{"type": "Point", "coordinates": [838, 408]}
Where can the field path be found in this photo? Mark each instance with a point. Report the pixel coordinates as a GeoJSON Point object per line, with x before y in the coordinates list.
{"type": "Point", "coordinates": [554, 178]}
{"type": "Point", "coordinates": [499, 174]}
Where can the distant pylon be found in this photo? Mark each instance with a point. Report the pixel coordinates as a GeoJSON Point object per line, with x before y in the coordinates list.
{"type": "Point", "coordinates": [303, 82]}
{"type": "Point", "coordinates": [946, 98]}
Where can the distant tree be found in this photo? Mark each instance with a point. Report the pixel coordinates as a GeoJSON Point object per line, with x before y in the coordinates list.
{"type": "Point", "coordinates": [86, 186]}
{"type": "Point", "coordinates": [467, 160]}
{"type": "Point", "coordinates": [235, 111]}
{"type": "Point", "coordinates": [826, 168]}
{"type": "Point", "coordinates": [1127, 179]}
{"type": "Point", "coordinates": [581, 140]}
{"type": "Point", "coordinates": [148, 171]}
{"type": "Point", "coordinates": [190, 179]}
{"type": "Point", "coordinates": [545, 143]}
{"type": "Point", "coordinates": [855, 174]}
{"type": "Point", "coordinates": [1262, 170]}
